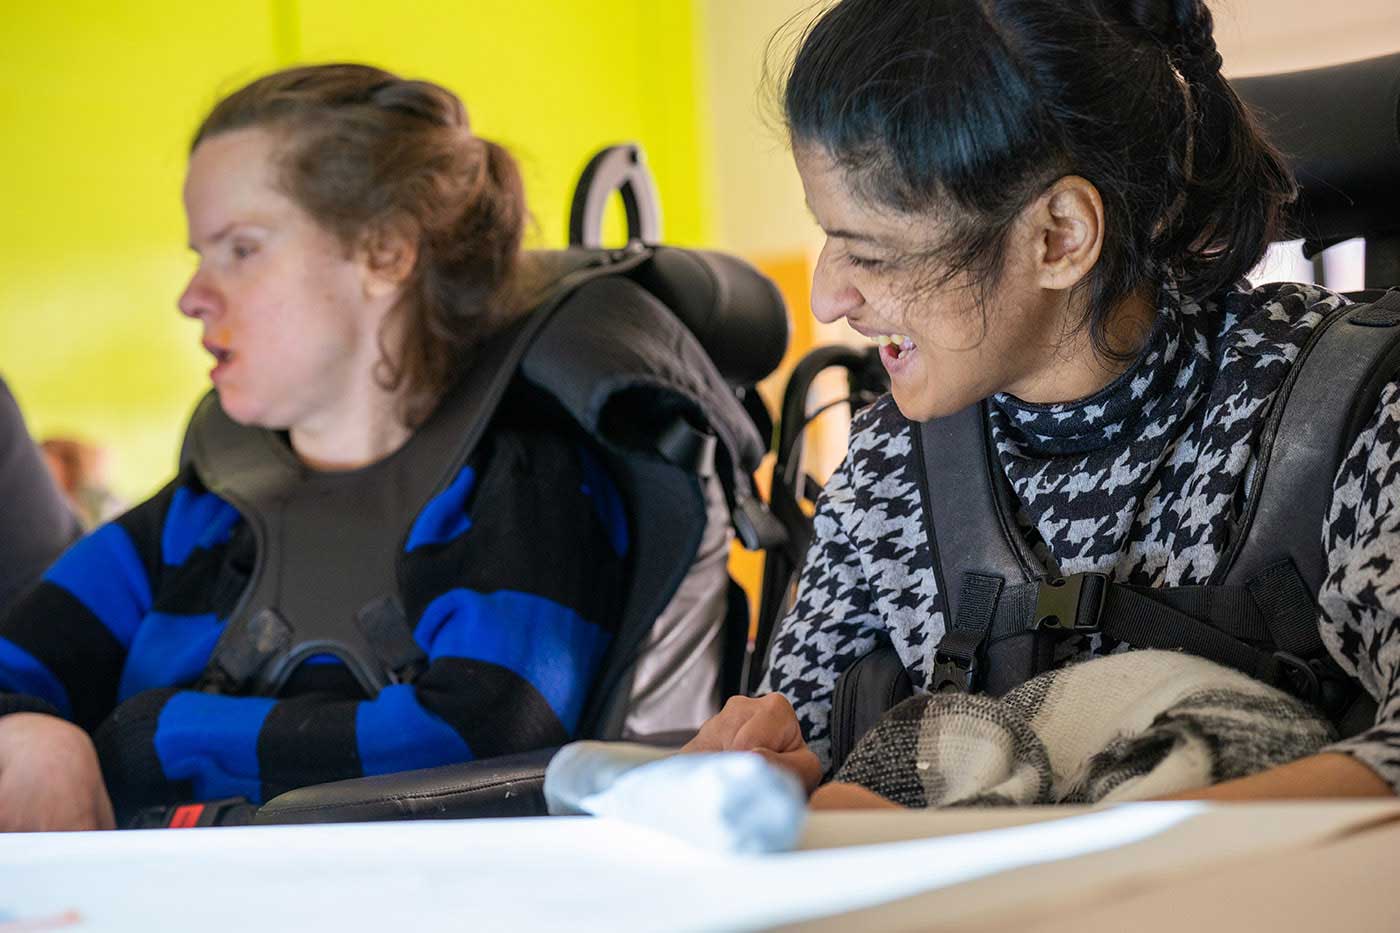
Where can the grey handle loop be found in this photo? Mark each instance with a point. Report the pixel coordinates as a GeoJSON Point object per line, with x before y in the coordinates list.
{"type": "Point", "coordinates": [623, 169]}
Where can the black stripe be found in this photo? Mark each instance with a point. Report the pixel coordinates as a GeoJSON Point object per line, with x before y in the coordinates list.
{"type": "Point", "coordinates": [533, 530]}
{"type": "Point", "coordinates": [145, 525]}
{"type": "Point", "coordinates": [493, 709]}
{"type": "Point", "coordinates": [126, 748]}
{"type": "Point", "coordinates": [308, 740]}
{"type": "Point", "coordinates": [22, 703]}
{"type": "Point", "coordinates": [62, 634]}
{"type": "Point", "coordinates": [210, 579]}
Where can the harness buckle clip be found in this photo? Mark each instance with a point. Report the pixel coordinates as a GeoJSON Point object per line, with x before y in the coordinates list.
{"type": "Point", "coordinates": [1298, 677]}
{"type": "Point", "coordinates": [1072, 603]}
{"type": "Point", "coordinates": [950, 674]}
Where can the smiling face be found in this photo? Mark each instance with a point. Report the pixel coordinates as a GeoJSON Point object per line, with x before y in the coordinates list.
{"type": "Point", "coordinates": [875, 271]}
{"type": "Point", "coordinates": [284, 305]}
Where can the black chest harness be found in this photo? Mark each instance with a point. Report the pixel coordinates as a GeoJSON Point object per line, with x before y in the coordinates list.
{"type": "Point", "coordinates": [1256, 614]}
{"type": "Point", "coordinates": [329, 546]}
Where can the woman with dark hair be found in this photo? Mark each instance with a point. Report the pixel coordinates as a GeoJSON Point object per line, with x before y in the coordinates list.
{"type": "Point", "coordinates": [357, 243]}
{"type": "Point", "coordinates": [1049, 207]}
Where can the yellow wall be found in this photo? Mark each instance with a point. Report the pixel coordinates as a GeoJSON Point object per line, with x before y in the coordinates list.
{"type": "Point", "coordinates": [97, 103]}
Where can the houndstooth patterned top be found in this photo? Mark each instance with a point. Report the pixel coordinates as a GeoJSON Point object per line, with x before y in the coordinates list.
{"type": "Point", "coordinates": [1139, 481]}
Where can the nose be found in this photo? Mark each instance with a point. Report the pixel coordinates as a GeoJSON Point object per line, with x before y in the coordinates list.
{"type": "Point", "coordinates": [198, 299]}
{"type": "Point", "coordinates": [833, 295]}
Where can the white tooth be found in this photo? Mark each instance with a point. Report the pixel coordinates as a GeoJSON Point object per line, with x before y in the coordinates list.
{"type": "Point", "coordinates": [907, 344]}
{"type": "Point", "coordinates": [883, 340]}
{"type": "Point", "coordinates": [897, 338]}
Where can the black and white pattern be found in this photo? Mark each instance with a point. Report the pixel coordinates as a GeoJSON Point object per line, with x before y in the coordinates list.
{"type": "Point", "coordinates": [1132, 726]}
{"type": "Point", "coordinates": [1138, 481]}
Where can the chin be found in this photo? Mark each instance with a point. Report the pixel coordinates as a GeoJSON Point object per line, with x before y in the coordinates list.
{"type": "Point", "coordinates": [244, 410]}
{"type": "Point", "coordinates": [922, 408]}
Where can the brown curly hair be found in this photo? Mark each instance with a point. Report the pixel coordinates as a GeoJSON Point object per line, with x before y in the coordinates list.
{"type": "Point", "coordinates": [366, 149]}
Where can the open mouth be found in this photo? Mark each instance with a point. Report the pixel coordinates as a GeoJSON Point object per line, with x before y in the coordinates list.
{"type": "Point", "coordinates": [895, 346]}
{"type": "Point", "coordinates": [221, 355]}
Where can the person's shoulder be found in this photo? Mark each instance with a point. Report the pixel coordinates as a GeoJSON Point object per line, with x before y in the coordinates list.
{"type": "Point", "coordinates": [879, 456]}
{"type": "Point", "coordinates": [1273, 320]}
{"type": "Point", "coordinates": [1290, 306]}
{"type": "Point", "coordinates": [874, 427]}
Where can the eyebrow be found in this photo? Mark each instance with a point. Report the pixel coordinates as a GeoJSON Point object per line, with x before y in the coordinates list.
{"type": "Point", "coordinates": [854, 235]}
{"type": "Point", "coordinates": [216, 237]}
{"type": "Point", "coordinates": [841, 234]}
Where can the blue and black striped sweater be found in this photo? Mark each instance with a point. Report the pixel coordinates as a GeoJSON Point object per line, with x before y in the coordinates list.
{"type": "Point", "coordinates": [513, 581]}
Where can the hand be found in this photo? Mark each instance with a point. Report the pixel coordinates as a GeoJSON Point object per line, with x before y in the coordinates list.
{"type": "Point", "coordinates": [838, 796]}
{"type": "Point", "coordinates": [49, 777]}
{"type": "Point", "coordinates": [766, 725]}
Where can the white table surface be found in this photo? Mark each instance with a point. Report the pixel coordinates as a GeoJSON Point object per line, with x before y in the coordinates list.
{"type": "Point", "coordinates": [593, 874]}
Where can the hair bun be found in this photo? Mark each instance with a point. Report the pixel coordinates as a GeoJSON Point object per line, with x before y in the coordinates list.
{"type": "Point", "coordinates": [1184, 27]}
{"type": "Point", "coordinates": [1196, 54]}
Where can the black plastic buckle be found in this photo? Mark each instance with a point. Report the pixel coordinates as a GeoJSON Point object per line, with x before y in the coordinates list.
{"type": "Point", "coordinates": [755, 526]}
{"type": "Point", "coordinates": [1298, 677]}
{"type": "Point", "coordinates": [228, 811]}
{"type": "Point", "coordinates": [950, 674]}
{"type": "Point", "coordinates": [1060, 604]}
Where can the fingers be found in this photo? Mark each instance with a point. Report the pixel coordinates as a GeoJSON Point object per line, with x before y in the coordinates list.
{"type": "Point", "coordinates": [772, 724]}
{"type": "Point", "coordinates": [849, 797]}
{"type": "Point", "coordinates": [801, 763]}
{"type": "Point", "coordinates": [748, 723]}
{"type": "Point", "coordinates": [766, 725]}
{"type": "Point", "coordinates": [104, 818]}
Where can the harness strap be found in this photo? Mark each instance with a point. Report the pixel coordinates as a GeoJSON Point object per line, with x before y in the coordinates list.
{"type": "Point", "coordinates": [955, 661]}
{"type": "Point", "coordinates": [1283, 598]}
{"type": "Point", "coordinates": [1223, 624]}
{"type": "Point", "coordinates": [386, 630]}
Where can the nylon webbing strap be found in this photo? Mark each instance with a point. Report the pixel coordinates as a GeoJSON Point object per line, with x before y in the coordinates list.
{"type": "Point", "coordinates": [1146, 618]}
{"type": "Point", "coordinates": [1283, 598]}
{"type": "Point", "coordinates": [1231, 609]}
{"type": "Point", "coordinates": [957, 652]}
{"type": "Point", "coordinates": [1133, 617]}
{"type": "Point", "coordinates": [386, 629]}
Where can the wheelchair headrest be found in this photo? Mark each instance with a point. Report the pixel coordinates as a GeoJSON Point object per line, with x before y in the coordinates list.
{"type": "Point", "coordinates": [1340, 129]}
{"type": "Point", "coordinates": [735, 312]}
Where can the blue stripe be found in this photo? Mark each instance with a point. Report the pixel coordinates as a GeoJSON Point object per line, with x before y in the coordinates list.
{"type": "Point", "coordinates": [104, 573]}
{"type": "Point", "coordinates": [212, 741]}
{"type": "Point", "coordinates": [607, 502]}
{"type": "Point", "coordinates": [552, 647]}
{"type": "Point", "coordinates": [169, 650]}
{"type": "Point", "coordinates": [195, 520]}
{"type": "Point", "coordinates": [445, 517]}
{"type": "Point", "coordinates": [21, 672]}
{"type": "Point", "coordinates": [396, 733]}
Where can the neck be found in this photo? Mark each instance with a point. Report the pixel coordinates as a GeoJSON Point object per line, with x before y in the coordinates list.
{"type": "Point", "coordinates": [361, 431]}
{"type": "Point", "coordinates": [1075, 368]}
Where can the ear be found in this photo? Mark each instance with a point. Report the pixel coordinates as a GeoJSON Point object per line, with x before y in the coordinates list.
{"type": "Point", "coordinates": [1067, 221]}
{"type": "Point", "coordinates": [388, 255]}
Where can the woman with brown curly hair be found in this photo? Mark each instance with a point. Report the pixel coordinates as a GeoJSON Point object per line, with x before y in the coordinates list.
{"type": "Point", "coordinates": [357, 243]}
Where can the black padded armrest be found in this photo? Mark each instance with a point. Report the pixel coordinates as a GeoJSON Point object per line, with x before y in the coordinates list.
{"type": "Point", "coordinates": [512, 785]}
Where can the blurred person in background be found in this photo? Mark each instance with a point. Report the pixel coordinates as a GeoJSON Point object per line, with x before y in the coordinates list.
{"type": "Point", "coordinates": [36, 523]}
{"type": "Point", "coordinates": [80, 470]}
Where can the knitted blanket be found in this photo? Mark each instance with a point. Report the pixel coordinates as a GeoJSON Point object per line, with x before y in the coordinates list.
{"type": "Point", "coordinates": [1128, 726]}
